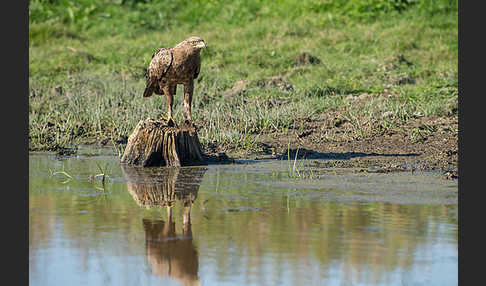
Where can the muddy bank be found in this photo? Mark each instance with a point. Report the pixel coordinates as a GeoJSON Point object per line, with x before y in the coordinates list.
{"type": "Point", "coordinates": [404, 147]}
{"type": "Point", "coordinates": [422, 143]}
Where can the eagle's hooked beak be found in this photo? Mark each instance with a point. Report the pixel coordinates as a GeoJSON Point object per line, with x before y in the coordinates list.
{"type": "Point", "coordinates": [201, 45]}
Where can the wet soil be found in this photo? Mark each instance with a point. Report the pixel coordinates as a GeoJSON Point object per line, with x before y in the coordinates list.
{"type": "Point", "coordinates": [421, 143]}
{"type": "Point", "coordinates": [425, 143]}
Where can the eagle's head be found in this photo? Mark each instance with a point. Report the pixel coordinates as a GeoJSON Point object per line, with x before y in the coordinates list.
{"type": "Point", "coordinates": [196, 42]}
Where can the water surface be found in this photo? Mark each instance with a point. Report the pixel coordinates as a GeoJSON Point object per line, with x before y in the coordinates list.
{"type": "Point", "coordinates": [238, 224]}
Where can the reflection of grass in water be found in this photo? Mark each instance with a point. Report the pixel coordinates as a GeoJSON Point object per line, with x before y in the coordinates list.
{"type": "Point", "coordinates": [297, 171]}
{"type": "Point", "coordinates": [62, 172]}
{"type": "Point", "coordinates": [102, 173]}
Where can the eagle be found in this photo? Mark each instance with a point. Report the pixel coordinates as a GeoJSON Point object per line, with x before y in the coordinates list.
{"type": "Point", "coordinates": [171, 66]}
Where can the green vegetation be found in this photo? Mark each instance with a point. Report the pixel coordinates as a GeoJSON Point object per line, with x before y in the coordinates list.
{"type": "Point", "coordinates": [383, 59]}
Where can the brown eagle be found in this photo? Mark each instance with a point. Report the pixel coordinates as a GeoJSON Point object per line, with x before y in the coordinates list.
{"type": "Point", "coordinates": [175, 65]}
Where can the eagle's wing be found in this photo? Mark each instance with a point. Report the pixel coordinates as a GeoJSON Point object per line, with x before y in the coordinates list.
{"type": "Point", "coordinates": [198, 67]}
{"type": "Point", "coordinates": [159, 65]}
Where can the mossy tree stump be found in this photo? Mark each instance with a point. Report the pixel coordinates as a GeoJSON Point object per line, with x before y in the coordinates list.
{"type": "Point", "coordinates": [153, 143]}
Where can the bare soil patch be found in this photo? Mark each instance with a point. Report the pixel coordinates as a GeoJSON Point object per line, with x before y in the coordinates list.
{"type": "Point", "coordinates": [425, 143]}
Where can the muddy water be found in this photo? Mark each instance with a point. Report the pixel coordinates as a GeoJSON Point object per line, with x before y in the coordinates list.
{"type": "Point", "coordinates": [240, 224]}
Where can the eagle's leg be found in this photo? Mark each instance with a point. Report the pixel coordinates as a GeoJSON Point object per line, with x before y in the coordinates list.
{"type": "Point", "coordinates": [188, 89]}
{"type": "Point", "coordinates": [169, 92]}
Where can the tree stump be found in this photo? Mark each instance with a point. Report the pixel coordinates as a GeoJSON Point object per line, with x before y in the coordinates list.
{"type": "Point", "coordinates": [153, 143]}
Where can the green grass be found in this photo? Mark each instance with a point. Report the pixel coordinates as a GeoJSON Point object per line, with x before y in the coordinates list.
{"type": "Point", "coordinates": [96, 52]}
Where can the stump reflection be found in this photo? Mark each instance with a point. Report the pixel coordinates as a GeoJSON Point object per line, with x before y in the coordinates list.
{"type": "Point", "coordinates": [169, 254]}
{"type": "Point", "coordinates": [160, 187]}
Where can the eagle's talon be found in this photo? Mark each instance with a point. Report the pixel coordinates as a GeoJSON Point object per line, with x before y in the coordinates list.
{"type": "Point", "coordinates": [189, 123]}
{"type": "Point", "coordinates": [170, 122]}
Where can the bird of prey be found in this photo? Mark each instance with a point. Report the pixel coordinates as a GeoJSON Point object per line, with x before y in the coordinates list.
{"type": "Point", "coordinates": [175, 65]}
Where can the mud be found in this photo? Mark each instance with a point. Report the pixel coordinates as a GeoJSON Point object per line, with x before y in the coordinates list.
{"type": "Point", "coordinates": [422, 143]}
{"type": "Point", "coordinates": [395, 149]}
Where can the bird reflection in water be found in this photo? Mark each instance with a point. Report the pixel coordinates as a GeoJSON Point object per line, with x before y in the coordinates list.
{"type": "Point", "coordinates": [169, 254]}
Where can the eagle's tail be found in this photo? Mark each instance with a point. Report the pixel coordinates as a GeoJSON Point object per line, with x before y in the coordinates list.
{"type": "Point", "coordinates": [148, 91]}
{"type": "Point", "coordinates": [149, 88]}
